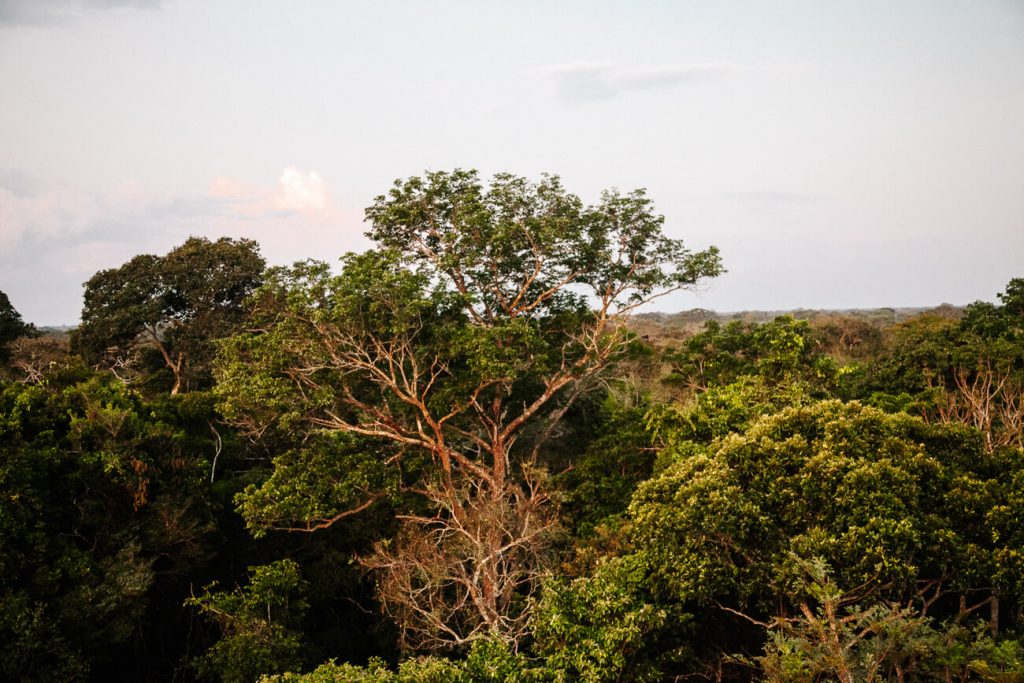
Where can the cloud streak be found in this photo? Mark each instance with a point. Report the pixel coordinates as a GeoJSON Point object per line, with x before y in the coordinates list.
{"type": "Point", "coordinates": [593, 81]}
{"type": "Point", "coordinates": [57, 12]}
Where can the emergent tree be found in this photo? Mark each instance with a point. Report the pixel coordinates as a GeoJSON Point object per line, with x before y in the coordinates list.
{"type": "Point", "coordinates": [442, 363]}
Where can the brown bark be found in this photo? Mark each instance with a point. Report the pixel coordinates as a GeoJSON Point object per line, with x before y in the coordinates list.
{"type": "Point", "coordinates": [176, 365]}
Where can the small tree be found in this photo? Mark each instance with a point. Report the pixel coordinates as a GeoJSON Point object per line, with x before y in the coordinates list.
{"type": "Point", "coordinates": [31, 357]}
{"type": "Point", "coordinates": [175, 304]}
{"type": "Point", "coordinates": [454, 350]}
{"type": "Point", "coordinates": [11, 326]}
{"type": "Point", "coordinates": [257, 624]}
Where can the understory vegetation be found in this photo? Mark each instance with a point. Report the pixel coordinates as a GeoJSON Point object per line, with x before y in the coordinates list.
{"type": "Point", "coordinates": [462, 456]}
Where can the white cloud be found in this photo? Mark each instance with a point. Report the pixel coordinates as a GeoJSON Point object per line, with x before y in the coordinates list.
{"type": "Point", "coordinates": [37, 216]}
{"type": "Point", "coordinates": [34, 213]}
{"type": "Point", "coordinates": [301, 192]}
{"type": "Point", "coordinates": [296, 192]}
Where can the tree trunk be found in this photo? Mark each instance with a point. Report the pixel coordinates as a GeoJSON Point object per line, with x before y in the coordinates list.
{"type": "Point", "coordinates": [176, 367]}
{"type": "Point", "coordinates": [994, 616]}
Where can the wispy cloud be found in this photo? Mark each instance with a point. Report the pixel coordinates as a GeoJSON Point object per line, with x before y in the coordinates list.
{"type": "Point", "coordinates": [35, 214]}
{"type": "Point", "coordinates": [55, 12]}
{"type": "Point", "coordinates": [591, 81]}
{"type": "Point", "coordinates": [30, 210]}
{"type": "Point", "coordinates": [63, 234]}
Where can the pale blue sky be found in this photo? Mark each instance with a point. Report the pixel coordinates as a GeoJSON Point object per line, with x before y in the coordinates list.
{"type": "Point", "coordinates": [841, 154]}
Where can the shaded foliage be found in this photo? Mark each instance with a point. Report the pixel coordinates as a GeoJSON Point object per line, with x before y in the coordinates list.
{"type": "Point", "coordinates": [11, 327]}
{"type": "Point", "coordinates": [100, 493]}
{"type": "Point", "coordinates": [258, 624]}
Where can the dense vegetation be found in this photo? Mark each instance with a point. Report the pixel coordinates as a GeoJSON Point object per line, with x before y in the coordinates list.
{"type": "Point", "coordinates": [459, 457]}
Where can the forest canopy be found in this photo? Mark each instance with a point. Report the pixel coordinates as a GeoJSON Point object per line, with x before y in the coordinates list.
{"type": "Point", "coordinates": [460, 456]}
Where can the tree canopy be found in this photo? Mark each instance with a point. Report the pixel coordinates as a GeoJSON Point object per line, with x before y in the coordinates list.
{"type": "Point", "coordinates": [457, 456]}
{"type": "Point", "coordinates": [453, 351]}
{"type": "Point", "coordinates": [174, 304]}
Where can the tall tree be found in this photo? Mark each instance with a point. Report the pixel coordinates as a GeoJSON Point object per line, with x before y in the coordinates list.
{"type": "Point", "coordinates": [448, 356]}
{"type": "Point", "coordinates": [175, 304]}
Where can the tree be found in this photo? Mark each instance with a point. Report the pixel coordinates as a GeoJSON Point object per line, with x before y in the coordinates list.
{"type": "Point", "coordinates": [849, 338]}
{"type": "Point", "coordinates": [781, 351]}
{"type": "Point", "coordinates": [486, 662]}
{"type": "Point", "coordinates": [174, 304]}
{"type": "Point", "coordinates": [604, 627]}
{"type": "Point", "coordinates": [843, 635]}
{"type": "Point", "coordinates": [32, 357]}
{"type": "Point", "coordinates": [969, 371]}
{"type": "Point", "coordinates": [11, 326]}
{"type": "Point", "coordinates": [909, 512]}
{"type": "Point", "coordinates": [258, 624]}
{"type": "Point", "coordinates": [452, 352]}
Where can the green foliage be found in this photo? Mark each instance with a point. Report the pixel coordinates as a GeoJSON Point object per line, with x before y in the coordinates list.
{"type": "Point", "coordinates": [372, 299]}
{"type": "Point", "coordinates": [782, 351]}
{"type": "Point", "coordinates": [489, 661]}
{"type": "Point", "coordinates": [849, 339]}
{"type": "Point", "coordinates": [11, 326]}
{"type": "Point", "coordinates": [96, 508]}
{"type": "Point", "coordinates": [485, 239]}
{"type": "Point", "coordinates": [719, 411]}
{"type": "Point", "coordinates": [881, 497]}
{"type": "Point", "coordinates": [422, 670]}
{"type": "Point", "coordinates": [118, 303]}
{"type": "Point", "coordinates": [173, 305]}
{"type": "Point", "coordinates": [997, 662]}
{"type": "Point", "coordinates": [486, 662]}
{"type": "Point", "coordinates": [845, 636]}
{"type": "Point", "coordinates": [604, 627]}
{"type": "Point", "coordinates": [1013, 301]}
{"type": "Point", "coordinates": [925, 352]}
{"type": "Point", "coordinates": [258, 624]}
{"type": "Point", "coordinates": [602, 479]}
{"type": "Point", "coordinates": [891, 503]}
{"type": "Point", "coordinates": [968, 371]}
{"type": "Point", "coordinates": [331, 472]}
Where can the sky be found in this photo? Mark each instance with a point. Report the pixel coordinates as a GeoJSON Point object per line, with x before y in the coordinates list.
{"type": "Point", "coordinates": [840, 154]}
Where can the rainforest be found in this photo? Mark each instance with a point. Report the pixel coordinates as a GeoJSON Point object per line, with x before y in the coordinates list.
{"type": "Point", "coordinates": [476, 451]}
